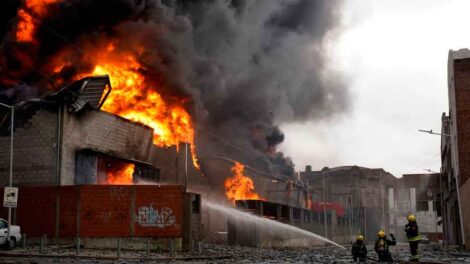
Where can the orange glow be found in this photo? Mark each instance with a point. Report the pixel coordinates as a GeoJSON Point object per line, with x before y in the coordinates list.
{"type": "Point", "coordinates": [240, 186]}
{"type": "Point", "coordinates": [122, 175]}
{"type": "Point", "coordinates": [29, 17]}
{"type": "Point", "coordinates": [39, 7]}
{"type": "Point", "coordinates": [25, 27]}
{"type": "Point", "coordinates": [132, 98]}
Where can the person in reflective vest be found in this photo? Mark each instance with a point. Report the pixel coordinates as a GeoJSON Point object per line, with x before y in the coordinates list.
{"type": "Point", "coordinates": [382, 247]}
{"type": "Point", "coordinates": [412, 233]}
{"type": "Point", "coordinates": [359, 250]}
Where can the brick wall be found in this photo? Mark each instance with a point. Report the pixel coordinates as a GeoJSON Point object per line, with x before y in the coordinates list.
{"type": "Point", "coordinates": [103, 211]}
{"type": "Point", "coordinates": [459, 113]}
{"type": "Point", "coordinates": [35, 146]}
{"type": "Point", "coordinates": [462, 107]}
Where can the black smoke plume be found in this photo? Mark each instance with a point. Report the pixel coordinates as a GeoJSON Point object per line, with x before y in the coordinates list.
{"type": "Point", "coordinates": [246, 66]}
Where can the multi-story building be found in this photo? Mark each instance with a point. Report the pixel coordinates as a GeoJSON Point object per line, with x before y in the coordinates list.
{"type": "Point", "coordinates": [455, 151]}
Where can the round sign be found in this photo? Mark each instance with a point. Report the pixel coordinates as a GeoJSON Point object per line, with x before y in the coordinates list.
{"type": "Point", "coordinates": [430, 193]}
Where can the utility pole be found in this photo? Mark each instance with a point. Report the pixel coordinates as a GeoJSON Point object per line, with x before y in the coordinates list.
{"type": "Point", "coordinates": [383, 199]}
{"type": "Point", "coordinates": [365, 215]}
{"type": "Point", "coordinates": [324, 206]}
{"type": "Point", "coordinates": [10, 178]}
{"type": "Point", "coordinates": [349, 197]}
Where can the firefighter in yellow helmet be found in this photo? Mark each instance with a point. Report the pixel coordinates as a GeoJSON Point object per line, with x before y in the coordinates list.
{"type": "Point", "coordinates": [359, 250]}
{"type": "Point", "coordinates": [412, 232]}
{"type": "Point", "coordinates": [382, 246]}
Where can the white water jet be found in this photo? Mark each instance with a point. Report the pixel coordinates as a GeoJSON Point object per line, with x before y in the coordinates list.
{"type": "Point", "coordinates": [275, 224]}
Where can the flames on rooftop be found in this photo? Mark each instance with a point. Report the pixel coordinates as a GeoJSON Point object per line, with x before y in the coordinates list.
{"type": "Point", "coordinates": [240, 186]}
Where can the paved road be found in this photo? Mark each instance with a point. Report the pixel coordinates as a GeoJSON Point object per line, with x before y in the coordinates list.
{"type": "Point", "coordinates": [429, 253]}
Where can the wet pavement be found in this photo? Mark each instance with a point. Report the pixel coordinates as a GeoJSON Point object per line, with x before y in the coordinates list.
{"type": "Point", "coordinates": [223, 254]}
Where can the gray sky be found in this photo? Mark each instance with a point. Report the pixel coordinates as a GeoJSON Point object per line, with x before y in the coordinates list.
{"type": "Point", "coordinates": [394, 54]}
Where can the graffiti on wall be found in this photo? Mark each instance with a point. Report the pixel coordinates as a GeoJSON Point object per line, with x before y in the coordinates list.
{"type": "Point", "coordinates": [148, 216]}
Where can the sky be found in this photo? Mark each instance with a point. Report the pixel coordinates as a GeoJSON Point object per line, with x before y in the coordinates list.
{"type": "Point", "coordinates": [393, 56]}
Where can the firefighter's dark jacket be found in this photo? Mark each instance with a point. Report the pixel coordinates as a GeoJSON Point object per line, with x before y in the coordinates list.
{"type": "Point", "coordinates": [412, 231]}
{"type": "Point", "coordinates": [359, 249]}
{"type": "Point", "coordinates": [387, 243]}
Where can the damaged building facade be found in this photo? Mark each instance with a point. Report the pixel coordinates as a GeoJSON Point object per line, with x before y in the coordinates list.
{"type": "Point", "coordinates": [64, 139]}
{"type": "Point", "coordinates": [360, 192]}
{"type": "Point", "coordinates": [373, 199]}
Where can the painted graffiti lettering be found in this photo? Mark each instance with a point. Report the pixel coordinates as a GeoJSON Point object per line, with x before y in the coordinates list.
{"type": "Point", "coordinates": [148, 216]}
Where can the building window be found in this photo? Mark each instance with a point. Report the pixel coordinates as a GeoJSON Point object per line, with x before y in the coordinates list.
{"type": "Point", "coordinates": [422, 206]}
{"type": "Point", "coordinates": [403, 206]}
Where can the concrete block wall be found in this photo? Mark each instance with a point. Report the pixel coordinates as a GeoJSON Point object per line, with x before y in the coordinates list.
{"type": "Point", "coordinates": [104, 133]}
{"type": "Point", "coordinates": [35, 148]}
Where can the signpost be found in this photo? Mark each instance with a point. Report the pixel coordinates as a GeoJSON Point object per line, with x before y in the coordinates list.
{"type": "Point", "coordinates": [10, 197]}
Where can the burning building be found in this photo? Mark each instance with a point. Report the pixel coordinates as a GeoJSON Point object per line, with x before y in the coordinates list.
{"type": "Point", "coordinates": [183, 89]}
{"type": "Point", "coordinates": [65, 140]}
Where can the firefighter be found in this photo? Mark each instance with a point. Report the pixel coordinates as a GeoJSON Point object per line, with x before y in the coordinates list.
{"type": "Point", "coordinates": [412, 233]}
{"type": "Point", "coordinates": [359, 250]}
{"type": "Point", "coordinates": [382, 247]}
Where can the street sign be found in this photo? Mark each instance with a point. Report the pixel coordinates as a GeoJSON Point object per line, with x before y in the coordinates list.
{"type": "Point", "coordinates": [10, 197]}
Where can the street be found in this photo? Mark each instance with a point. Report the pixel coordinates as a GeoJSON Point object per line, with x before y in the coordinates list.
{"type": "Point", "coordinates": [224, 254]}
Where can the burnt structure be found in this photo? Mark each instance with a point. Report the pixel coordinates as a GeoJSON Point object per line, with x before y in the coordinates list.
{"type": "Point", "coordinates": [362, 192]}
{"type": "Point", "coordinates": [63, 139]}
{"type": "Point", "coordinates": [455, 152]}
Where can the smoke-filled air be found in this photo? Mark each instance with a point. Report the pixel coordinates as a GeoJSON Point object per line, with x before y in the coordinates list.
{"type": "Point", "coordinates": [222, 75]}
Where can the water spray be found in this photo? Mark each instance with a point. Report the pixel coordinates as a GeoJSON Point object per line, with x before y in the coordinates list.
{"type": "Point", "coordinates": [237, 214]}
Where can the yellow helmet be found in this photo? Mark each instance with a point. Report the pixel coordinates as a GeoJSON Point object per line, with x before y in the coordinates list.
{"type": "Point", "coordinates": [360, 237]}
{"type": "Point", "coordinates": [381, 233]}
{"type": "Point", "coordinates": [411, 218]}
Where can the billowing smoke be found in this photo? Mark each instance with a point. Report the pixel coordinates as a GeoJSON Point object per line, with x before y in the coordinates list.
{"type": "Point", "coordinates": [242, 66]}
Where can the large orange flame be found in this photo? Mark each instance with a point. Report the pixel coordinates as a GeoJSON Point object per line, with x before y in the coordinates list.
{"type": "Point", "coordinates": [132, 99]}
{"type": "Point", "coordinates": [121, 175]}
{"type": "Point", "coordinates": [240, 186]}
